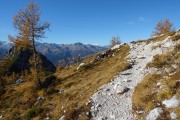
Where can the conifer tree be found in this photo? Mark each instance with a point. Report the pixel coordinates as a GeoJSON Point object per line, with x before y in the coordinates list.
{"type": "Point", "coordinates": [30, 28]}
{"type": "Point", "coordinates": [163, 27]}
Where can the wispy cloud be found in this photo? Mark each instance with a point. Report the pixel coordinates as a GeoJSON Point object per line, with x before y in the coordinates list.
{"type": "Point", "coordinates": [141, 19]}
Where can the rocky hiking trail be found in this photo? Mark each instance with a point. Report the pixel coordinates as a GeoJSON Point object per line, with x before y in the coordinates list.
{"type": "Point", "coordinates": [113, 101]}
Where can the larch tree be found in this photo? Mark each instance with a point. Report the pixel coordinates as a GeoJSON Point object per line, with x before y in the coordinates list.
{"type": "Point", "coordinates": [30, 28]}
{"type": "Point", "coordinates": [162, 27]}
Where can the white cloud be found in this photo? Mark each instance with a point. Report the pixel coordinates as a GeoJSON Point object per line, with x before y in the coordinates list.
{"type": "Point", "coordinates": [96, 44]}
{"type": "Point", "coordinates": [141, 19]}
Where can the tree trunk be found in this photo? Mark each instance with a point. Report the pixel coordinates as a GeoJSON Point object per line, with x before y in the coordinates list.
{"type": "Point", "coordinates": [35, 60]}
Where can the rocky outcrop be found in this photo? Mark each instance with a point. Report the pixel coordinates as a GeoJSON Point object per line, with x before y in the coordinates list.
{"type": "Point", "coordinates": [22, 60]}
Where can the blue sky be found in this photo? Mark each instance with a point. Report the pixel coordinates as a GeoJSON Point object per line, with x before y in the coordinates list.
{"type": "Point", "coordinates": [94, 21]}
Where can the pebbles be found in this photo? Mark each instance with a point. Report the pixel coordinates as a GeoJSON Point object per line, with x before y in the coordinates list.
{"type": "Point", "coordinates": [119, 107]}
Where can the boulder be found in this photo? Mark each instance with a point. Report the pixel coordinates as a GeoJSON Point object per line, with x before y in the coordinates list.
{"type": "Point", "coordinates": [61, 91]}
{"type": "Point", "coordinates": [154, 114]}
{"type": "Point", "coordinates": [82, 64]}
{"type": "Point", "coordinates": [124, 91]}
{"type": "Point", "coordinates": [19, 81]}
{"type": "Point", "coordinates": [173, 116]}
{"type": "Point", "coordinates": [168, 70]}
{"type": "Point", "coordinates": [40, 98]}
{"type": "Point", "coordinates": [172, 102]}
{"type": "Point", "coordinates": [62, 118]}
{"type": "Point", "coordinates": [152, 70]}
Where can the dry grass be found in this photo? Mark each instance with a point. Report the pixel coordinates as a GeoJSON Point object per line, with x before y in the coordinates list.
{"type": "Point", "coordinates": [154, 47]}
{"type": "Point", "coordinates": [157, 38]}
{"type": "Point", "coordinates": [148, 95]}
{"type": "Point", "coordinates": [175, 37]}
{"type": "Point", "coordinates": [78, 85]}
{"type": "Point", "coordinates": [17, 100]}
{"type": "Point", "coordinates": [143, 96]}
{"type": "Point", "coordinates": [161, 37]}
{"type": "Point", "coordinates": [159, 61]}
{"type": "Point", "coordinates": [140, 41]}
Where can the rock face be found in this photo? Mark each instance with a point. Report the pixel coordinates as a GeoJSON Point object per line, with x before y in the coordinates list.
{"type": "Point", "coordinates": [113, 101]}
{"type": "Point", "coordinates": [21, 61]}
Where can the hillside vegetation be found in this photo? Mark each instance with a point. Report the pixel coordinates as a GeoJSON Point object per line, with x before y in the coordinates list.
{"type": "Point", "coordinates": [139, 80]}
{"type": "Point", "coordinates": [67, 94]}
{"type": "Point", "coordinates": [162, 85]}
{"type": "Point", "coordinates": [67, 91]}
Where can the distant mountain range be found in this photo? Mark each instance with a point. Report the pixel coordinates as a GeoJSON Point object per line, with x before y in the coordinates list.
{"type": "Point", "coordinates": [4, 47]}
{"type": "Point", "coordinates": [59, 53]}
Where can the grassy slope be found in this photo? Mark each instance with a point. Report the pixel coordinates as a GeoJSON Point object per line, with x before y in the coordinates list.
{"type": "Point", "coordinates": [80, 85]}
{"type": "Point", "coordinates": [148, 95]}
{"type": "Point", "coordinates": [19, 101]}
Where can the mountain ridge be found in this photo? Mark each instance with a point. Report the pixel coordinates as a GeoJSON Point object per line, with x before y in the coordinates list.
{"type": "Point", "coordinates": [57, 52]}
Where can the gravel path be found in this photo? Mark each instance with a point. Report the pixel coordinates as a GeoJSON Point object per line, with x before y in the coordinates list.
{"type": "Point", "coordinates": [113, 100]}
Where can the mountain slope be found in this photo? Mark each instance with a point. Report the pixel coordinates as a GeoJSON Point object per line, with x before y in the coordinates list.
{"type": "Point", "coordinates": [68, 92]}
{"type": "Point", "coordinates": [115, 84]}
{"type": "Point", "coordinates": [116, 103]}
{"type": "Point", "coordinates": [161, 88]}
{"type": "Point", "coordinates": [59, 52]}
